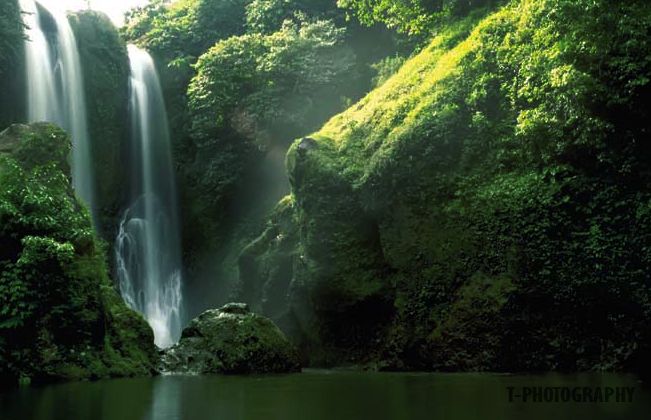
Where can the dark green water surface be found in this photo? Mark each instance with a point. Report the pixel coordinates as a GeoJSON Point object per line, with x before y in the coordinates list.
{"type": "Point", "coordinates": [315, 395]}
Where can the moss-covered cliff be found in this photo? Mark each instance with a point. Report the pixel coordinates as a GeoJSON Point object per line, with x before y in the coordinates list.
{"type": "Point", "coordinates": [105, 64]}
{"type": "Point", "coordinates": [60, 316]}
{"type": "Point", "coordinates": [486, 208]}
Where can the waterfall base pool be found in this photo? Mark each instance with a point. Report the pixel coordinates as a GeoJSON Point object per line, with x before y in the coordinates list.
{"type": "Point", "coordinates": [315, 395]}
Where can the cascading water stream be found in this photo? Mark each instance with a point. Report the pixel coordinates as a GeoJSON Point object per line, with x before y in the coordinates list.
{"type": "Point", "coordinates": [41, 91]}
{"type": "Point", "coordinates": [55, 88]}
{"type": "Point", "coordinates": [147, 246]}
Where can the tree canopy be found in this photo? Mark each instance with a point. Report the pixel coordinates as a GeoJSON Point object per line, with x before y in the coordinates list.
{"type": "Point", "coordinates": [413, 17]}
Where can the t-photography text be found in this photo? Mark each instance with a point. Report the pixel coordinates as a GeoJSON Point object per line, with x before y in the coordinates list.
{"type": "Point", "coordinates": [561, 394]}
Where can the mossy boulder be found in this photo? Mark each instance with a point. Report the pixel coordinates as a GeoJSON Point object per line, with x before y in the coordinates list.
{"type": "Point", "coordinates": [231, 340]}
{"type": "Point", "coordinates": [60, 315]}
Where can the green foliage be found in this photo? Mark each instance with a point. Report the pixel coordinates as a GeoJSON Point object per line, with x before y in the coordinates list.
{"type": "Point", "coordinates": [11, 61]}
{"type": "Point", "coordinates": [232, 113]}
{"type": "Point", "coordinates": [58, 317]}
{"type": "Point", "coordinates": [494, 190]}
{"type": "Point", "coordinates": [273, 80]}
{"type": "Point", "coordinates": [186, 27]}
{"type": "Point", "coordinates": [140, 20]}
{"type": "Point", "coordinates": [252, 93]}
{"type": "Point", "coordinates": [177, 34]}
{"type": "Point", "coordinates": [466, 339]}
{"type": "Point", "coordinates": [409, 16]}
{"type": "Point", "coordinates": [11, 35]}
{"type": "Point", "coordinates": [268, 16]}
{"type": "Point", "coordinates": [386, 68]}
{"type": "Point", "coordinates": [405, 15]}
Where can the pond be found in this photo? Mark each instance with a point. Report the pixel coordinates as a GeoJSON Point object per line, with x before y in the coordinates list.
{"type": "Point", "coordinates": [335, 395]}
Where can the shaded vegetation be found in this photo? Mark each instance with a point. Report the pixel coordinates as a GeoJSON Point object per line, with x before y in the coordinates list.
{"type": "Point", "coordinates": [11, 36]}
{"type": "Point", "coordinates": [253, 91]}
{"type": "Point", "coordinates": [11, 62]}
{"type": "Point", "coordinates": [237, 93]}
{"type": "Point", "coordinates": [60, 316]}
{"type": "Point", "coordinates": [485, 208]}
{"type": "Point", "coordinates": [103, 56]}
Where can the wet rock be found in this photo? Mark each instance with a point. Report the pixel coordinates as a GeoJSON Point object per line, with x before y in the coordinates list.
{"type": "Point", "coordinates": [306, 144]}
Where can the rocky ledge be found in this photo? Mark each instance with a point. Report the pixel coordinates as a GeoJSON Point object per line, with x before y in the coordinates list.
{"type": "Point", "coordinates": [231, 340]}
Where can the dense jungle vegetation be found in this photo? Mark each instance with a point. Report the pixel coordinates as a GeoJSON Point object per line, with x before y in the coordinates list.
{"type": "Point", "coordinates": [404, 185]}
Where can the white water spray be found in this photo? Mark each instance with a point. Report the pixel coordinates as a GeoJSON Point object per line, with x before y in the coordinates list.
{"type": "Point", "coordinates": [147, 246]}
{"type": "Point", "coordinates": [55, 88]}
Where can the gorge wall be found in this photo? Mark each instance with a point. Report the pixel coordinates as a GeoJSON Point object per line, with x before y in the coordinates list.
{"type": "Point", "coordinates": [485, 209]}
{"type": "Point", "coordinates": [104, 59]}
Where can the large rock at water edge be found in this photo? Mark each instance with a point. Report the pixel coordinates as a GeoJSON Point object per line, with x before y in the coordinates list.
{"type": "Point", "coordinates": [231, 340]}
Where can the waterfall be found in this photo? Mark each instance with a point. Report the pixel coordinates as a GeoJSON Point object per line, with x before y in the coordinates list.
{"type": "Point", "coordinates": [55, 88]}
{"type": "Point", "coordinates": [147, 247]}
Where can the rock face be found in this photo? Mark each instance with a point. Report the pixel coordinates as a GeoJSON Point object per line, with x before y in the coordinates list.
{"type": "Point", "coordinates": [413, 240]}
{"type": "Point", "coordinates": [103, 55]}
{"type": "Point", "coordinates": [231, 340]}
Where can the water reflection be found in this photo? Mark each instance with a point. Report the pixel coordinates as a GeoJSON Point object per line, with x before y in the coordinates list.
{"type": "Point", "coordinates": [317, 395]}
{"type": "Point", "coordinates": [165, 404]}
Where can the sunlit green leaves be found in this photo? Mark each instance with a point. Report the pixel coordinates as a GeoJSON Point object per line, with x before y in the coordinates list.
{"type": "Point", "coordinates": [413, 17]}
{"type": "Point", "coordinates": [516, 156]}
{"type": "Point", "coordinates": [248, 74]}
